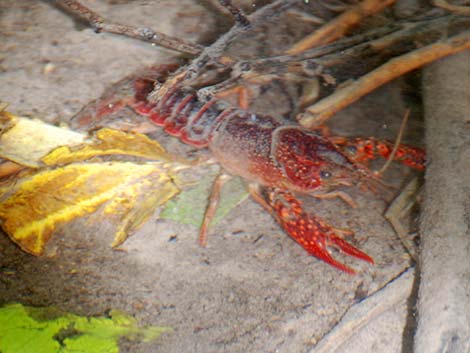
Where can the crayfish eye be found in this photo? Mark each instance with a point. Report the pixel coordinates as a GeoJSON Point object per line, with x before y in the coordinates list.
{"type": "Point", "coordinates": [352, 150]}
{"type": "Point", "coordinates": [325, 174]}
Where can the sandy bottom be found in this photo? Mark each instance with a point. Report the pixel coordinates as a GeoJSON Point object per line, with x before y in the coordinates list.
{"type": "Point", "coordinates": [252, 289]}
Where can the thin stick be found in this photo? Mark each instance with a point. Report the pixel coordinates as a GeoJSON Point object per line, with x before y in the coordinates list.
{"type": "Point", "coordinates": [237, 14]}
{"type": "Point", "coordinates": [321, 111]}
{"type": "Point", "coordinates": [340, 25]}
{"type": "Point", "coordinates": [397, 144]}
{"type": "Point", "coordinates": [401, 206]}
{"type": "Point", "coordinates": [444, 4]}
{"type": "Point", "coordinates": [100, 24]}
{"type": "Point", "coordinates": [217, 50]}
{"type": "Point", "coordinates": [388, 42]}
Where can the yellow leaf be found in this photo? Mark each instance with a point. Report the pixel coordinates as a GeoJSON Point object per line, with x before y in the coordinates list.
{"type": "Point", "coordinates": [136, 214]}
{"type": "Point", "coordinates": [108, 142]}
{"type": "Point", "coordinates": [37, 204]}
{"type": "Point", "coordinates": [25, 141]}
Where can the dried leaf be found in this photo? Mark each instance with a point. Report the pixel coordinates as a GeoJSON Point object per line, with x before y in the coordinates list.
{"type": "Point", "coordinates": [25, 141]}
{"type": "Point", "coordinates": [109, 142]}
{"type": "Point", "coordinates": [36, 205]}
{"type": "Point", "coordinates": [126, 192]}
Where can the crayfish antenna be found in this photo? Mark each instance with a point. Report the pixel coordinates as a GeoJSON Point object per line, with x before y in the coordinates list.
{"type": "Point", "coordinates": [396, 144]}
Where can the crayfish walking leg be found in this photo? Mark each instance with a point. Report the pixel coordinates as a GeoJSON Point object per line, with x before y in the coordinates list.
{"type": "Point", "coordinates": [362, 150]}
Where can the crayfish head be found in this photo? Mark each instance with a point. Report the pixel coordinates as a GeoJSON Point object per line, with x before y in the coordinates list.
{"type": "Point", "coordinates": [310, 161]}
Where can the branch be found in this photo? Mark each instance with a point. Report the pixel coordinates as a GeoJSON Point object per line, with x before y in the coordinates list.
{"type": "Point", "coordinates": [444, 4]}
{"type": "Point", "coordinates": [319, 112]}
{"type": "Point", "coordinates": [237, 14]}
{"type": "Point", "coordinates": [100, 24]}
{"type": "Point", "coordinates": [217, 49]}
{"type": "Point", "coordinates": [339, 26]}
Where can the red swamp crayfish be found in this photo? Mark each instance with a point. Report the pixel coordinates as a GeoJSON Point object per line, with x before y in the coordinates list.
{"type": "Point", "coordinates": [277, 157]}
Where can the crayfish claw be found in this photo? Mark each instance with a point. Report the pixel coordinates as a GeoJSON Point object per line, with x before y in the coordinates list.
{"type": "Point", "coordinates": [312, 233]}
{"type": "Point", "coordinates": [318, 246]}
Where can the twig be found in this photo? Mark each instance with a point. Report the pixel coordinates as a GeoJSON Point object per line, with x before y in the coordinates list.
{"type": "Point", "coordinates": [372, 48]}
{"type": "Point", "coordinates": [444, 4]}
{"type": "Point", "coordinates": [215, 52]}
{"type": "Point", "coordinates": [336, 47]}
{"type": "Point", "coordinates": [340, 25]}
{"type": "Point", "coordinates": [388, 41]}
{"type": "Point", "coordinates": [399, 207]}
{"type": "Point", "coordinates": [363, 315]}
{"type": "Point", "coordinates": [100, 24]}
{"type": "Point", "coordinates": [319, 112]}
{"type": "Point", "coordinates": [236, 12]}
